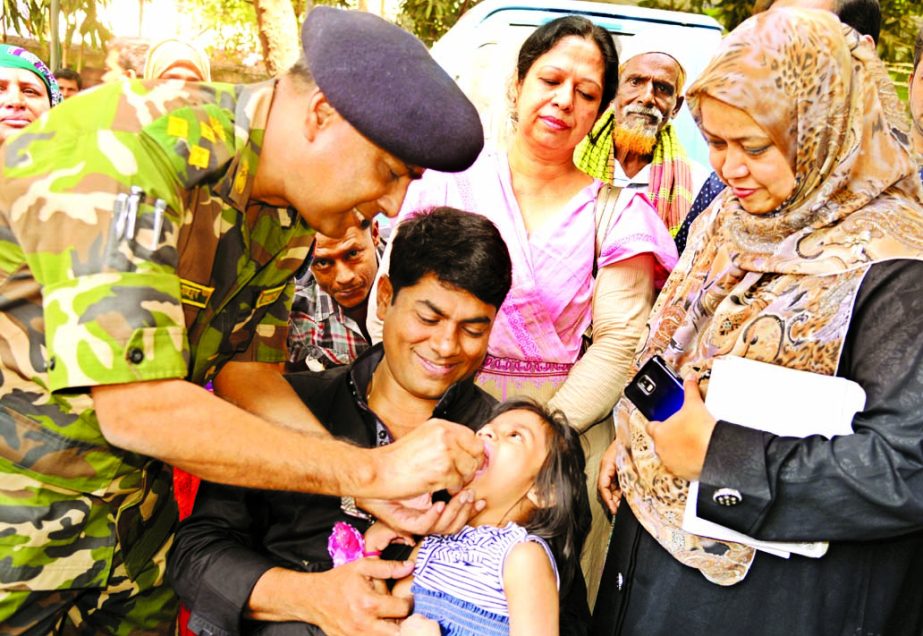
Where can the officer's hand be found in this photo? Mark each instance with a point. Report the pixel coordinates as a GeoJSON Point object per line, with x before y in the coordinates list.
{"type": "Point", "coordinates": [438, 455]}
{"type": "Point", "coordinates": [431, 518]}
{"type": "Point", "coordinates": [353, 599]}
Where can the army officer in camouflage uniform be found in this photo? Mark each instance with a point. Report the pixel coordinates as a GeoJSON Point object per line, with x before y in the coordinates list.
{"type": "Point", "coordinates": [149, 232]}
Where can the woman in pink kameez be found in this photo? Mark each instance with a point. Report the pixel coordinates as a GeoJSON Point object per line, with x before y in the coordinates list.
{"type": "Point", "coordinates": [543, 205]}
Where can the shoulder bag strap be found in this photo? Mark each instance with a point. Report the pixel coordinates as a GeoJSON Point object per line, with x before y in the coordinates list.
{"type": "Point", "coordinates": [603, 212]}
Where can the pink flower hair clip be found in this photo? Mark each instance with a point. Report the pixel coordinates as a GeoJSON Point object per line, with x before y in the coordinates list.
{"type": "Point", "coordinates": [346, 544]}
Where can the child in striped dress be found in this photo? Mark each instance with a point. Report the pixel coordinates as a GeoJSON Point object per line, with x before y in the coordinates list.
{"type": "Point", "coordinates": [500, 574]}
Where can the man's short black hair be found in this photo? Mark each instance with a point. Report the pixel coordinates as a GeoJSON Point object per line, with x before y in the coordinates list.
{"type": "Point", "coordinates": [461, 249]}
{"type": "Point", "coordinates": [862, 15]}
{"type": "Point", "coordinates": [69, 74]}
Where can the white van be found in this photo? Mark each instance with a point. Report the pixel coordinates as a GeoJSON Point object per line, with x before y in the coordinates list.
{"type": "Point", "coordinates": [480, 50]}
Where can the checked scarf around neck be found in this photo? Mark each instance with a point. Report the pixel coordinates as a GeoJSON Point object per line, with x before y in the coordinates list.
{"type": "Point", "coordinates": [670, 187]}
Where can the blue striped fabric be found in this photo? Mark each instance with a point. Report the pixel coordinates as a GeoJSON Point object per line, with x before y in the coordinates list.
{"type": "Point", "coordinates": [456, 617]}
{"type": "Point", "coordinates": [457, 573]}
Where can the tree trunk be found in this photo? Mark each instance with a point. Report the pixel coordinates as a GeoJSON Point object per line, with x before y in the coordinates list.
{"type": "Point", "coordinates": [279, 34]}
{"type": "Point", "coordinates": [54, 47]}
{"type": "Point", "coordinates": [70, 27]}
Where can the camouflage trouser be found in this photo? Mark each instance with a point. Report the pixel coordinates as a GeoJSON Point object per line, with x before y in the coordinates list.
{"type": "Point", "coordinates": [143, 606]}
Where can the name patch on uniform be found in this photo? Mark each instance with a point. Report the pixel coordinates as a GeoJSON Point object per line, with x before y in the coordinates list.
{"type": "Point", "coordinates": [198, 157]}
{"type": "Point", "coordinates": [177, 127]}
{"type": "Point", "coordinates": [217, 128]}
{"type": "Point", "coordinates": [269, 296]}
{"type": "Point", "coordinates": [240, 179]}
{"type": "Point", "coordinates": [207, 132]}
{"type": "Point", "coordinates": [194, 294]}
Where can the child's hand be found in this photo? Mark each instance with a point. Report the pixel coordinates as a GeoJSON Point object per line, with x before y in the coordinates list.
{"type": "Point", "coordinates": [419, 625]}
{"type": "Point", "coordinates": [380, 535]}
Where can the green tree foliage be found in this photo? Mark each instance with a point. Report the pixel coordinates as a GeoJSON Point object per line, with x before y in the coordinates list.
{"type": "Point", "coordinates": [33, 18]}
{"type": "Point", "coordinates": [25, 17]}
{"type": "Point", "coordinates": [231, 22]}
{"type": "Point", "coordinates": [900, 20]}
{"type": "Point", "coordinates": [429, 19]}
{"type": "Point", "coordinates": [235, 22]}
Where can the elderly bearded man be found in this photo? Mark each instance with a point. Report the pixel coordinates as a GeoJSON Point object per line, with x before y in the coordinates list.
{"type": "Point", "coordinates": [634, 146]}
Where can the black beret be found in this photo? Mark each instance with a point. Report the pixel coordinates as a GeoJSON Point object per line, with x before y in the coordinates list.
{"type": "Point", "coordinates": [384, 82]}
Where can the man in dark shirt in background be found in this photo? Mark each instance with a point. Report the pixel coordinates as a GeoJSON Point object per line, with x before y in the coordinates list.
{"type": "Point", "coordinates": [326, 328]}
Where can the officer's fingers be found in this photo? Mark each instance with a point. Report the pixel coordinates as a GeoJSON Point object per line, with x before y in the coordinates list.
{"type": "Point", "coordinates": [471, 462]}
{"type": "Point", "coordinates": [425, 522]}
{"type": "Point", "coordinates": [460, 439]}
{"type": "Point", "coordinates": [469, 443]}
{"type": "Point", "coordinates": [456, 513]}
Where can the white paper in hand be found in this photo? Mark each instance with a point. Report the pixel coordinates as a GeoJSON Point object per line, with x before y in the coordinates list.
{"type": "Point", "coordinates": [781, 401]}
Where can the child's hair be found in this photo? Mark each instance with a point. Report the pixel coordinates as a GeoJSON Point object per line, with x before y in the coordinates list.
{"type": "Point", "coordinates": [561, 481]}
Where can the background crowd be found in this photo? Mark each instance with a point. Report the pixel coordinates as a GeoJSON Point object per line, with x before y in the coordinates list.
{"type": "Point", "coordinates": [422, 415]}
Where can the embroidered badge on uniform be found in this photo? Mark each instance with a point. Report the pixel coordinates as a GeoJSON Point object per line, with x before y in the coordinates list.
{"type": "Point", "coordinates": [240, 179]}
{"type": "Point", "coordinates": [198, 157]}
{"type": "Point", "coordinates": [217, 128]}
{"type": "Point", "coordinates": [194, 294]}
{"type": "Point", "coordinates": [270, 296]}
{"type": "Point", "coordinates": [207, 132]}
{"type": "Point", "coordinates": [178, 127]}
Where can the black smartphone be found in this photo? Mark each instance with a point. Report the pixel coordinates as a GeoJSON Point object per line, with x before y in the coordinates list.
{"type": "Point", "coordinates": [656, 390]}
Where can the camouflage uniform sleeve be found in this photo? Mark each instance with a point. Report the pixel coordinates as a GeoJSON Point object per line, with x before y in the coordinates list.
{"type": "Point", "coordinates": [110, 294]}
{"type": "Point", "coordinates": [270, 340]}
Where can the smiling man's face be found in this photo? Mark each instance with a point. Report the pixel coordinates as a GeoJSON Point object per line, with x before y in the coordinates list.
{"type": "Point", "coordinates": [434, 335]}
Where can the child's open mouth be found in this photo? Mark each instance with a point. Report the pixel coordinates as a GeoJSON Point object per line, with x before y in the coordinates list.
{"type": "Point", "coordinates": [486, 461]}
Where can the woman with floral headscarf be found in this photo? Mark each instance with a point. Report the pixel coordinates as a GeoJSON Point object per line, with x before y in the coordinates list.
{"type": "Point", "coordinates": [27, 89]}
{"type": "Point", "coordinates": [176, 59]}
{"type": "Point", "coordinates": [811, 259]}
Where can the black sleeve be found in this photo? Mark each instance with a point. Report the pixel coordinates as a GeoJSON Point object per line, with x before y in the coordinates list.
{"type": "Point", "coordinates": [863, 486]}
{"type": "Point", "coordinates": [214, 563]}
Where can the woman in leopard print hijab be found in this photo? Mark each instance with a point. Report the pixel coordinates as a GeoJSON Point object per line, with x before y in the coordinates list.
{"type": "Point", "coordinates": [811, 259]}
